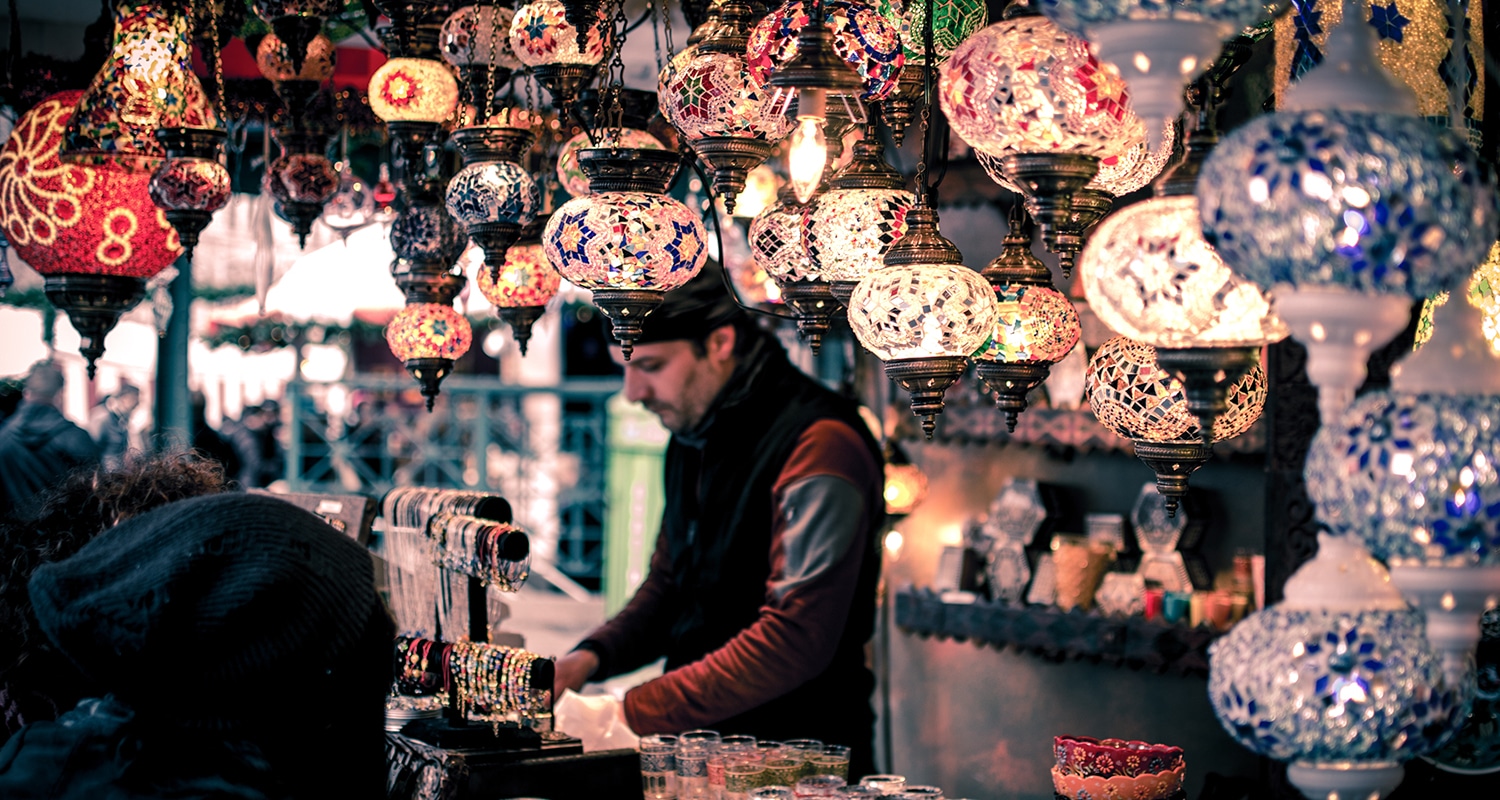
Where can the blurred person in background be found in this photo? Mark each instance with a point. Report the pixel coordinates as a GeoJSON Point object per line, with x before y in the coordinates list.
{"type": "Point", "coordinates": [38, 445]}
{"type": "Point", "coordinates": [36, 682]}
{"type": "Point", "coordinates": [110, 425]}
{"type": "Point", "coordinates": [209, 441]}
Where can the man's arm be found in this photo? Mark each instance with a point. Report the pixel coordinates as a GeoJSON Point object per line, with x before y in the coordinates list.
{"type": "Point", "coordinates": [819, 544]}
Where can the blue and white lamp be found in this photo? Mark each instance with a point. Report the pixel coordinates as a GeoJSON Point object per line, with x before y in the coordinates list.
{"type": "Point", "coordinates": [1336, 679]}
{"type": "Point", "coordinates": [1348, 207]}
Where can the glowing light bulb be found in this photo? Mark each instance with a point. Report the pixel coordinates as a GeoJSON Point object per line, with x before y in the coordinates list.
{"type": "Point", "coordinates": [806, 157]}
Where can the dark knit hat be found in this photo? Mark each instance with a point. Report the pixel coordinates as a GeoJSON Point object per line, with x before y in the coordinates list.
{"type": "Point", "coordinates": [218, 611]}
{"type": "Point", "coordinates": [694, 309]}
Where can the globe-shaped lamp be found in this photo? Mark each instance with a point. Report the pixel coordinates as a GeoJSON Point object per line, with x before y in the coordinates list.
{"type": "Point", "coordinates": [274, 59]}
{"type": "Point", "coordinates": [1158, 48]}
{"type": "Point", "coordinates": [953, 21]}
{"type": "Point", "coordinates": [628, 242]}
{"type": "Point", "coordinates": [1336, 679]}
{"type": "Point", "coordinates": [1348, 207]}
{"type": "Point", "coordinates": [862, 38]}
{"type": "Point", "coordinates": [1035, 325]}
{"type": "Point", "coordinates": [91, 231]}
{"type": "Point", "coordinates": [1483, 294]}
{"type": "Point", "coordinates": [1131, 394]}
{"type": "Point", "coordinates": [493, 196]}
{"type": "Point", "coordinates": [777, 242]}
{"type": "Point", "coordinates": [923, 319]}
{"type": "Point", "coordinates": [192, 183]}
{"type": "Point", "coordinates": [301, 182]}
{"type": "Point", "coordinates": [849, 229]}
{"type": "Point", "coordinates": [521, 291]}
{"type": "Point", "coordinates": [413, 90]}
{"type": "Point", "coordinates": [561, 59]}
{"type": "Point", "coordinates": [475, 40]}
{"type": "Point", "coordinates": [428, 338]}
{"type": "Point", "coordinates": [297, 23]}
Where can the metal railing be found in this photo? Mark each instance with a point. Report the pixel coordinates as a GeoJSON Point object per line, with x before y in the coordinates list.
{"type": "Point", "coordinates": [542, 448]}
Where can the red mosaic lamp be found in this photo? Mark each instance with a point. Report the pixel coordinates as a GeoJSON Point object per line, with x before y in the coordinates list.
{"type": "Point", "coordinates": [428, 338]}
{"type": "Point", "coordinates": [91, 231]}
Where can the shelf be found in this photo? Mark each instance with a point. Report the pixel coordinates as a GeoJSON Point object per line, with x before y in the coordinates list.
{"type": "Point", "coordinates": [1059, 636]}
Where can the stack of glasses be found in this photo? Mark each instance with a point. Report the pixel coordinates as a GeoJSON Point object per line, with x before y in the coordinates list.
{"type": "Point", "coordinates": [702, 765]}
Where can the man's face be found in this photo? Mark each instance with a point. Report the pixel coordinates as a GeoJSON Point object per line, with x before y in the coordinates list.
{"type": "Point", "coordinates": [674, 382]}
{"type": "Point", "coordinates": [128, 403]}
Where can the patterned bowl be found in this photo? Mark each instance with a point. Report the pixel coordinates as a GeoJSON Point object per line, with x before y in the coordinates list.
{"type": "Point", "coordinates": [1157, 786]}
{"type": "Point", "coordinates": [1087, 756]}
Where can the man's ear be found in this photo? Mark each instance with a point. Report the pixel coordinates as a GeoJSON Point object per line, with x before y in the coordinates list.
{"type": "Point", "coordinates": [720, 343]}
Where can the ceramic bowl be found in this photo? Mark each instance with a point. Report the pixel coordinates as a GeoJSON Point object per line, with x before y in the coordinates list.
{"type": "Point", "coordinates": [1156, 786]}
{"type": "Point", "coordinates": [1086, 756]}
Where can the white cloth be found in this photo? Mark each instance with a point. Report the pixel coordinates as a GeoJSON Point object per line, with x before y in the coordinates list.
{"type": "Point", "coordinates": [597, 719]}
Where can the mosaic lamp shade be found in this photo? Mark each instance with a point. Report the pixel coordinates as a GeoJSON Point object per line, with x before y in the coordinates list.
{"type": "Point", "coordinates": [571, 176]}
{"type": "Point", "coordinates": [628, 242]}
{"type": "Point", "coordinates": [91, 231]}
{"type": "Point", "coordinates": [428, 338]}
{"type": "Point", "coordinates": [274, 59]}
{"type": "Point", "coordinates": [1412, 473]}
{"type": "Point", "coordinates": [146, 83]}
{"type": "Point", "coordinates": [522, 289]}
{"type": "Point", "coordinates": [1119, 173]}
{"type": "Point", "coordinates": [952, 22]}
{"type": "Point", "coordinates": [1032, 323]}
{"type": "Point", "coordinates": [540, 34]}
{"type": "Point", "coordinates": [1131, 394]}
{"type": "Point", "coordinates": [413, 90]}
{"type": "Point", "coordinates": [847, 232]}
{"type": "Point", "coordinates": [1348, 207]}
{"type": "Point", "coordinates": [192, 183]}
{"type": "Point", "coordinates": [479, 35]}
{"type": "Point", "coordinates": [297, 23]}
{"type": "Point", "coordinates": [1483, 294]}
{"type": "Point", "coordinates": [776, 241]}
{"type": "Point", "coordinates": [862, 38]}
{"type": "Point", "coordinates": [1158, 47]}
{"type": "Point", "coordinates": [1336, 679]}
{"type": "Point", "coordinates": [709, 93]}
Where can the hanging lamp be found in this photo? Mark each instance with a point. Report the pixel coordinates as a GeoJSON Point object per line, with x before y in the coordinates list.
{"type": "Point", "coordinates": [428, 338]}
{"type": "Point", "coordinates": [524, 285]}
{"type": "Point", "coordinates": [1035, 324]}
{"type": "Point", "coordinates": [1347, 207]}
{"type": "Point", "coordinates": [560, 58]}
{"type": "Point", "coordinates": [493, 196]}
{"type": "Point", "coordinates": [849, 229]}
{"type": "Point", "coordinates": [475, 41]}
{"type": "Point", "coordinates": [297, 24]}
{"type": "Point", "coordinates": [727, 118]}
{"type": "Point", "coordinates": [953, 22]}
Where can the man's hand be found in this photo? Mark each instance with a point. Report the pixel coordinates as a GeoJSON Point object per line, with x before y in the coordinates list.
{"type": "Point", "coordinates": [573, 670]}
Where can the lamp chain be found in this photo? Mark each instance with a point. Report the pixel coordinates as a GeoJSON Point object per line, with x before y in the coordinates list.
{"type": "Point", "coordinates": [216, 52]}
{"type": "Point", "coordinates": [489, 80]}
{"type": "Point", "coordinates": [665, 9]}
{"type": "Point", "coordinates": [924, 190]}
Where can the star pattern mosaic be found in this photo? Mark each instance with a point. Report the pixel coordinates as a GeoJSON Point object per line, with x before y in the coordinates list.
{"type": "Point", "coordinates": [625, 240]}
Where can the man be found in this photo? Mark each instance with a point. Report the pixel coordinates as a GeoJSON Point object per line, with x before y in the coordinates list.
{"type": "Point", "coordinates": [761, 592]}
{"type": "Point", "coordinates": [39, 446]}
{"type": "Point", "coordinates": [110, 425]}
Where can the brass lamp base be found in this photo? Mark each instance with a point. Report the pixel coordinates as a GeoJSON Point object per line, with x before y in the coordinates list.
{"type": "Point", "coordinates": [520, 319]}
{"type": "Point", "coordinates": [494, 238]}
{"type": "Point", "coordinates": [843, 290]}
{"type": "Point", "coordinates": [1206, 374]}
{"type": "Point", "coordinates": [189, 224]}
{"type": "Point", "coordinates": [564, 81]}
{"type": "Point", "coordinates": [430, 373]}
{"type": "Point", "coordinates": [94, 304]}
{"type": "Point", "coordinates": [1049, 181]}
{"type": "Point", "coordinates": [1173, 462]}
{"type": "Point", "coordinates": [627, 310]}
{"type": "Point", "coordinates": [900, 109]}
{"type": "Point", "coordinates": [731, 158]}
{"type": "Point", "coordinates": [815, 306]}
{"type": "Point", "coordinates": [926, 379]}
{"type": "Point", "coordinates": [1011, 382]}
{"type": "Point", "coordinates": [1089, 206]}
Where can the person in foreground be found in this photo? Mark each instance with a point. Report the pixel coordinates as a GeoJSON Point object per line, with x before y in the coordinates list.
{"type": "Point", "coordinates": [245, 652]}
{"type": "Point", "coordinates": [761, 591]}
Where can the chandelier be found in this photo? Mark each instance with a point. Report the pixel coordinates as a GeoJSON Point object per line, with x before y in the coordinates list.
{"type": "Point", "coordinates": [628, 241]}
{"type": "Point", "coordinates": [1133, 396]}
{"type": "Point", "coordinates": [1035, 325]}
{"type": "Point", "coordinates": [708, 95]}
{"type": "Point", "coordinates": [1348, 208]}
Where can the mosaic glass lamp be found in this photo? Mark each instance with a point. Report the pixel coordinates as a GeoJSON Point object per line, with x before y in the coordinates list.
{"type": "Point", "coordinates": [91, 231]}
{"type": "Point", "coordinates": [952, 22]}
{"type": "Point", "coordinates": [727, 118]}
{"type": "Point", "coordinates": [776, 243]}
{"type": "Point", "coordinates": [297, 23]}
{"type": "Point", "coordinates": [1348, 207]}
{"type": "Point", "coordinates": [274, 59]}
{"type": "Point", "coordinates": [475, 40]}
{"type": "Point", "coordinates": [1035, 325]}
{"type": "Point", "coordinates": [922, 314]}
{"type": "Point", "coordinates": [563, 61]}
{"type": "Point", "coordinates": [628, 242]}
{"type": "Point", "coordinates": [849, 229]}
{"type": "Point", "coordinates": [428, 338]}
{"type": "Point", "coordinates": [1132, 395]}
{"type": "Point", "coordinates": [146, 83]}
{"type": "Point", "coordinates": [861, 38]}
{"type": "Point", "coordinates": [413, 90]}
{"type": "Point", "coordinates": [192, 183]}
{"type": "Point", "coordinates": [1483, 294]}
{"type": "Point", "coordinates": [493, 196]}
{"type": "Point", "coordinates": [301, 179]}
{"type": "Point", "coordinates": [1158, 47]}
{"type": "Point", "coordinates": [571, 176]}
{"type": "Point", "coordinates": [1335, 679]}
{"type": "Point", "coordinates": [1412, 472]}
{"type": "Point", "coordinates": [526, 283]}
{"type": "Point", "coordinates": [1028, 93]}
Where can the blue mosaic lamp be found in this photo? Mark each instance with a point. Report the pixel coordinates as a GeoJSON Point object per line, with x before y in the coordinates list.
{"type": "Point", "coordinates": [1336, 679]}
{"type": "Point", "coordinates": [1158, 47]}
{"type": "Point", "coordinates": [1347, 206]}
{"type": "Point", "coordinates": [493, 196]}
{"type": "Point", "coordinates": [1412, 473]}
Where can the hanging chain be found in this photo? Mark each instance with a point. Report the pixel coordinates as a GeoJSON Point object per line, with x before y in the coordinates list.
{"type": "Point", "coordinates": [923, 190]}
{"type": "Point", "coordinates": [216, 51]}
{"type": "Point", "coordinates": [614, 118]}
{"type": "Point", "coordinates": [489, 79]}
{"type": "Point", "coordinates": [666, 26]}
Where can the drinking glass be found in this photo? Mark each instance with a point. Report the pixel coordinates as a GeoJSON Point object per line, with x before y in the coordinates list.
{"type": "Point", "coordinates": [784, 768]}
{"type": "Point", "coordinates": [833, 759]}
{"type": "Point", "coordinates": [818, 786]}
{"type": "Point", "coordinates": [886, 784]}
{"type": "Point", "coordinates": [920, 793]}
{"type": "Point", "coordinates": [692, 766]}
{"type": "Point", "coordinates": [737, 743]}
{"type": "Point", "coordinates": [659, 766]}
{"type": "Point", "coordinates": [741, 775]}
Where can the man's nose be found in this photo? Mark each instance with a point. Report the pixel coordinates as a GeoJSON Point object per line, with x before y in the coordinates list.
{"type": "Point", "coordinates": [637, 389]}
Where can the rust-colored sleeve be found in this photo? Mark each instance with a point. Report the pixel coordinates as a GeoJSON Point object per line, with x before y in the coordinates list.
{"type": "Point", "coordinates": [636, 636]}
{"type": "Point", "coordinates": [819, 540]}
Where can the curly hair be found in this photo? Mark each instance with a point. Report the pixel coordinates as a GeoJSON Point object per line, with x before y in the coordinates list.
{"type": "Point", "coordinates": [37, 682]}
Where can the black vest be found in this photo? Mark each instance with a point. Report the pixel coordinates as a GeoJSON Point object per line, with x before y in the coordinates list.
{"type": "Point", "coordinates": [719, 540]}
